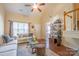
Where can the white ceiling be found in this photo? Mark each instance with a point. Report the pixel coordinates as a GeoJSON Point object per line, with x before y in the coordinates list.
{"type": "Point", "coordinates": [21, 8]}
{"type": "Point", "coordinates": [18, 8]}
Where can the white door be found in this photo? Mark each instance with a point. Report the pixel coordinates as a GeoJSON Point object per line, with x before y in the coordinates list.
{"type": "Point", "coordinates": [47, 30]}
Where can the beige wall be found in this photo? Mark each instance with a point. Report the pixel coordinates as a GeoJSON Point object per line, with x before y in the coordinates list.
{"type": "Point", "coordinates": [1, 19]}
{"type": "Point", "coordinates": [2, 14]}
{"type": "Point", "coordinates": [53, 10]}
{"type": "Point", "coordinates": [20, 18]}
{"type": "Point", "coordinates": [76, 6]}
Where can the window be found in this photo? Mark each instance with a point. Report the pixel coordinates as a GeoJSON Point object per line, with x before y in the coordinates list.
{"type": "Point", "coordinates": [20, 28]}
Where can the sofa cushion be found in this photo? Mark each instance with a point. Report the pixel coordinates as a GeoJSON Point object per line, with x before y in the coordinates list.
{"type": "Point", "coordinates": [7, 38]}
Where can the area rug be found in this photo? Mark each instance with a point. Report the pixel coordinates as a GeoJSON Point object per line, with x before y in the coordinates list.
{"type": "Point", "coordinates": [63, 50]}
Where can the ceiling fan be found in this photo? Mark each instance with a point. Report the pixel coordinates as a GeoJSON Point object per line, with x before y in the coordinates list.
{"type": "Point", "coordinates": [35, 6]}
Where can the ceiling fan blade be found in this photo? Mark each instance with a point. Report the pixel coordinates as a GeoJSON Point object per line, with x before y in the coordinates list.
{"type": "Point", "coordinates": [27, 5]}
{"type": "Point", "coordinates": [42, 4]}
{"type": "Point", "coordinates": [39, 9]}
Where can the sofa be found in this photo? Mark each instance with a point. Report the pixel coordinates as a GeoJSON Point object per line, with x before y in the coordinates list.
{"type": "Point", "coordinates": [8, 48]}
{"type": "Point", "coordinates": [22, 39]}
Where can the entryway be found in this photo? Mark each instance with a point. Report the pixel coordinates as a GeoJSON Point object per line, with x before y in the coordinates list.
{"type": "Point", "coordinates": [47, 30]}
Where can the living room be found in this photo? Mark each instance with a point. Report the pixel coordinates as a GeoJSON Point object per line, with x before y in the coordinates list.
{"type": "Point", "coordinates": [21, 20]}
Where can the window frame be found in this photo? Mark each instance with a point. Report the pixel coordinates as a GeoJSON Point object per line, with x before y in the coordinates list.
{"type": "Point", "coordinates": [18, 29]}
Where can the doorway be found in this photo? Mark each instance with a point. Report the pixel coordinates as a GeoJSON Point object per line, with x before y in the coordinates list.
{"type": "Point", "coordinates": [47, 31]}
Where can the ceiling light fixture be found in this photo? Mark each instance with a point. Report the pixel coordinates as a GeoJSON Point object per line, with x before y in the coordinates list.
{"type": "Point", "coordinates": [35, 6]}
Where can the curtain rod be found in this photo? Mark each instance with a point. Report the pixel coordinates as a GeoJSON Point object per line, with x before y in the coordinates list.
{"type": "Point", "coordinates": [17, 21]}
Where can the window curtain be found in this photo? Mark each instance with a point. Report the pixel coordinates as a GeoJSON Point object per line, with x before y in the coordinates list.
{"type": "Point", "coordinates": [11, 29]}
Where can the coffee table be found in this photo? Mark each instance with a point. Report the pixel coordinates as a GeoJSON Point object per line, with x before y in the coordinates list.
{"type": "Point", "coordinates": [40, 49]}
